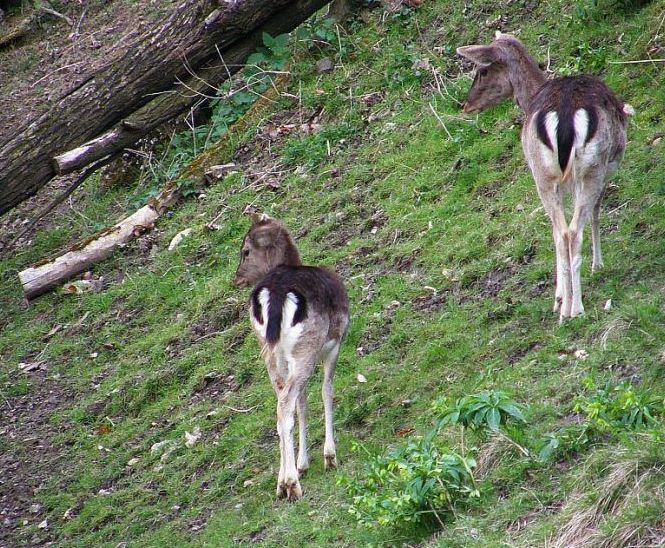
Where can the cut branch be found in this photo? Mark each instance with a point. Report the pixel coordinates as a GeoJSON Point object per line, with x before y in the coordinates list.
{"type": "Point", "coordinates": [41, 278]}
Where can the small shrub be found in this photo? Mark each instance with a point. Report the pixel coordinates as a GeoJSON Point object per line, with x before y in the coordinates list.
{"type": "Point", "coordinates": [609, 410]}
{"type": "Point", "coordinates": [418, 482]}
{"type": "Point", "coordinates": [274, 54]}
{"type": "Point", "coordinates": [618, 407]}
{"type": "Point", "coordinates": [488, 409]}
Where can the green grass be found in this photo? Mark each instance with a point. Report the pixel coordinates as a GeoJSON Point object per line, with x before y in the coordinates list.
{"type": "Point", "coordinates": [413, 208]}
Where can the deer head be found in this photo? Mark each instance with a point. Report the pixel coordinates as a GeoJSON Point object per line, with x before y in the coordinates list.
{"type": "Point", "coordinates": [504, 70]}
{"type": "Point", "coordinates": [267, 244]}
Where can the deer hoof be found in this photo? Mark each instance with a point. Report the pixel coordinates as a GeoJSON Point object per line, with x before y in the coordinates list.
{"type": "Point", "coordinates": [289, 490]}
{"type": "Point", "coordinates": [302, 471]}
{"type": "Point", "coordinates": [330, 462]}
{"type": "Point", "coordinates": [293, 491]}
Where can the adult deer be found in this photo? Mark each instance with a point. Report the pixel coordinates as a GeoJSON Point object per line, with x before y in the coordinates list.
{"type": "Point", "coordinates": [300, 315]}
{"type": "Point", "coordinates": [573, 138]}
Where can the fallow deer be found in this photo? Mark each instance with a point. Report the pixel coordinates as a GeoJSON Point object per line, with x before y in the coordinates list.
{"type": "Point", "coordinates": [300, 315]}
{"type": "Point", "coordinates": [573, 137]}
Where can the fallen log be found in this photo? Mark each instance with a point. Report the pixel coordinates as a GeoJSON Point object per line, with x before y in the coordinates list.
{"type": "Point", "coordinates": [42, 277]}
{"type": "Point", "coordinates": [189, 39]}
{"type": "Point", "coordinates": [169, 105]}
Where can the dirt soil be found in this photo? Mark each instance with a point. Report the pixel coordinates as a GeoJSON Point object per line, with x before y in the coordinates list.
{"type": "Point", "coordinates": [32, 459]}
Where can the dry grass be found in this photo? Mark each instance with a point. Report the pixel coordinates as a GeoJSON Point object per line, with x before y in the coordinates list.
{"type": "Point", "coordinates": [629, 483]}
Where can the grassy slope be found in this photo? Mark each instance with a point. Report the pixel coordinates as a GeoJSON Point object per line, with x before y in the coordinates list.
{"type": "Point", "coordinates": [458, 215]}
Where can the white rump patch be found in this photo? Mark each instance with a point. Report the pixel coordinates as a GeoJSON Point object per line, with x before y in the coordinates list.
{"type": "Point", "coordinates": [551, 125]}
{"type": "Point", "coordinates": [548, 157]}
{"type": "Point", "coordinates": [289, 310]}
{"type": "Point", "coordinates": [264, 301]}
{"type": "Point", "coordinates": [581, 124]}
{"type": "Point", "coordinates": [290, 333]}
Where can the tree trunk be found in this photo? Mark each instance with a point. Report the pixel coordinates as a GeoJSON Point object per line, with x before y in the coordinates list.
{"type": "Point", "coordinates": [191, 38]}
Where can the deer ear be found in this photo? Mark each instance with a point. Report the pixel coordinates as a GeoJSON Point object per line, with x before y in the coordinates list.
{"type": "Point", "coordinates": [265, 237]}
{"type": "Point", "coordinates": [480, 55]}
{"type": "Point", "coordinates": [258, 217]}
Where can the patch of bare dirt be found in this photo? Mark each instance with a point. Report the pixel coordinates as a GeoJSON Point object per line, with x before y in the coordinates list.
{"type": "Point", "coordinates": [259, 162]}
{"type": "Point", "coordinates": [29, 459]}
{"type": "Point", "coordinates": [517, 354]}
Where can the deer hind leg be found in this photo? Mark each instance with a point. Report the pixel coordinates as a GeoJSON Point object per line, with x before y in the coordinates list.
{"type": "Point", "coordinates": [299, 372]}
{"type": "Point", "coordinates": [303, 458]}
{"type": "Point", "coordinates": [552, 200]}
{"type": "Point", "coordinates": [275, 372]}
{"type": "Point", "coordinates": [561, 272]}
{"type": "Point", "coordinates": [587, 206]}
{"type": "Point", "coordinates": [329, 363]}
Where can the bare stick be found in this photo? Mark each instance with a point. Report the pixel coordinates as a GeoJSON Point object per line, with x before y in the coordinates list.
{"type": "Point", "coordinates": [54, 13]}
{"type": "Point", "coordinates": [636, 62]}
{"type": "Point", "coordinates": [240, 410]}
{"type": "Point", "coordinates": [522, 450]}
{"type": "Point", "coordinates": [55, 203]}
{"type": "Point", "coordinates": [443, 124]}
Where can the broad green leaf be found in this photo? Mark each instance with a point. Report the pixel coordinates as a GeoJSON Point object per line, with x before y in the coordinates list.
{"type": "Point", "coordinates": [494, 419]}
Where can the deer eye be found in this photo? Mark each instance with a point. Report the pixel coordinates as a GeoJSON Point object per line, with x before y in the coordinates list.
{"type": "Point", "coordinates": [245, 253]}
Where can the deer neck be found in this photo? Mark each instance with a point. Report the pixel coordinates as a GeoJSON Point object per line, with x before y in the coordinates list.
{"type": "Point", "coordinates": [527, 79]}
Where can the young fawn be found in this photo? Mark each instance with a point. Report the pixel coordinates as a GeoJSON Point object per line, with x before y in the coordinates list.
{"type": "Point", "coordinates": [300, 315]}
{"type": "Point", "coordinates": [573, 137]}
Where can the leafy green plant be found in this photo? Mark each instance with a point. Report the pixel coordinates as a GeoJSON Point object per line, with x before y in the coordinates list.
{"type": "Point", "coordinates": [607, 410]}
{"type": "Point", "coordinates": [417, 482]}
{"type": "Point", "coordinates": [274, 53]}
{"type": "Point", "coordinates": [320, 31]}
{"type": "Point", "coordinates": [618, 407]}
{"type": "Point", "coordinates": [488, 409]}
{"type": "Point", "coordinates": [570, 439]}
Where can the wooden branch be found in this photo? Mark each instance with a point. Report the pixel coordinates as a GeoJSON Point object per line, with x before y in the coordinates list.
{"type": "Point", "coordinates": [85, 154]}
{"type": "Point", "coordinates": [43, 277]}
{"type": "Point", "coordinates": [57, 14]}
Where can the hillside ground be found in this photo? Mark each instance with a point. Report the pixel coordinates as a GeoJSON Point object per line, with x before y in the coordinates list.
{"type": "Point", "coordinates": [432, 219]}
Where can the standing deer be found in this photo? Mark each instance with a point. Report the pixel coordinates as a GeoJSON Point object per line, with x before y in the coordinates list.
{"type": "Point", "coordinates": [573, 138]}
{"type": "Point", "coordinates": [300, 315]}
